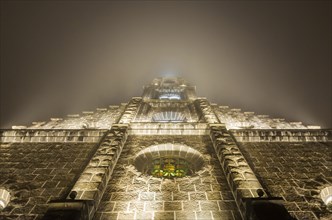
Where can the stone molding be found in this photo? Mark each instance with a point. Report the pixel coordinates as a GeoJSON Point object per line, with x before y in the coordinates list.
{"type": "Point", "coordinates": [168, 128]}
{"type": "Point", "coordinates": [50, 135]}
{"type": "Point", "coordinates": [282, 135]}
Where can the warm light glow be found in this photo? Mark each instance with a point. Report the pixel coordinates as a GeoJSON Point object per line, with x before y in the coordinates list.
{"type": "Point", "coordinates": [2, 205]}
{"type": "Point", "coordinates": [326, 195]}
{"type": "Point", "coordinates": [171, 96]}
{"type": "Point", "coordinates": [169, 160]}
{"type": "Point", "coordinates": [4, 198]}
{"type": "Point", "coordinates": [169, 167]}
{"type": "Point", "coordinates": [169, 116]}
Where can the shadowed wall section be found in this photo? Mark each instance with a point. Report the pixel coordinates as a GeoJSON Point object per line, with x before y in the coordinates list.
{"type": "Point", "coordinates": [35, 173]}
{"type": "Point", "coordinates": [297, 172]}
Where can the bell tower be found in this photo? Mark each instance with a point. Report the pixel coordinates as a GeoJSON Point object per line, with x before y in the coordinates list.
{"type": "Point", "coordinates": [168, 100]}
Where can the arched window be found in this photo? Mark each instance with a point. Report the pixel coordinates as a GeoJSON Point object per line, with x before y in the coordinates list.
{"type": "Point", "coordinates": [170, 96]}
{"type": "Point", "coordinates": [169, 161]}
{"type": "Point", "coordinates": [169, 116]}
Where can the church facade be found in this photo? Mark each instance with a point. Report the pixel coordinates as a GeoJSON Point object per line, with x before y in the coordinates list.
{"type": "Point", "coordinates": [168, 154]}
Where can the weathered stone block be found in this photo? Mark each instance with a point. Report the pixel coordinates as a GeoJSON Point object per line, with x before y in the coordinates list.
{"type": "Point", "coordinates": [144, 215]}
{"type": "Point", "coordinates": [197, 196]}
{"type": "Point", "coordinates": [224, 215]}
{"type": "Point", "coordinates": [204, 215]}
{"type": "Point", "coordinates": [203, 187]}
{"type": "Point", "coordinates": [213, 195]}
{"type": "Point", "coordinates": [164, 215]}
{"type": "Point", "coordinates": [190, 205]}
{"type": "Point", "coordinates": [121, 206]}
{"type": "Point", "coordinates": [107, 216]}
{"type": "Point", "coordinates": [147, 196]}
{"type": "Point", "coordinates": [209, 205]}
{"type": "Point", "coordinates": [107, 206]}
{"type": "Point", "coordinates": [154, 206]}
{"type": "Point", "coordinates": [180, 195]}
{"type": "Point", "coordinates": [126, 215]}
{"type": "Point", "coordinates": [227, 205]}
{"type": "Point", "coordinates": [167, 196]}
{"type": "Point", "coordinates": [186, 187]}
{"type": "Point", "coordinates": [119, 196]}
{"type": "Point", "coordinates": [169, 206]}
{"type": "Point", "coordinates": [170, 186]}
{"type": "Point", "coordinates": [136, 206]}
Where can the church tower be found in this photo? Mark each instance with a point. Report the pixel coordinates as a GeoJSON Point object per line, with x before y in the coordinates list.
{"type": "Point", "coordinates": [168, 154]}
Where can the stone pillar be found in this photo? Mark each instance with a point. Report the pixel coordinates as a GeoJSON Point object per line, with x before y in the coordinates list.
{"type": "Point", "coordinates": [206, 110]}
{"type": "Point", "coordinates": [130, 111]}
{"type": "Point", "coordinates": [93, 181]}
{"type": "Point", "coordinates": [240, 177]}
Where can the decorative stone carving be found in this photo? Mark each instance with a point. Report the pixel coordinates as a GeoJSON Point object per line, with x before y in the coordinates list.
{"type": "Point", "coordinates": [206, 111]}
{"type": "Point", "coordinates": [240, 176]}
{"type": "Point", "coordinates": [130, 111]}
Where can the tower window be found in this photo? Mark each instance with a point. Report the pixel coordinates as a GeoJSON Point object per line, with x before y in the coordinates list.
{"type": "Point", "coordinates": [170, 96]}
{"type": "Point", "coordinates": [169, 116]}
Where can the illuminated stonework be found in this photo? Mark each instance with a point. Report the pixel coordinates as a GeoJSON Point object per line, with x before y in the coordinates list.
{"type": "Point", "coordinates": [4, 198]}
{"type": "Point", "coordinates": [170, 96]}
{"type": "Point", "coordinates": [326, 195]}
{"type": "Point", "coordinates": [168, 154]}
{"type": "Point", "coordinates": [169, 116]}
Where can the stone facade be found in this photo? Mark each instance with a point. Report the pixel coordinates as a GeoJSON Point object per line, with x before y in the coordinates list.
{"type": "Point", "coordinates": [133, 195]}
{"type": "Point", "coordinates": [296, 172]}
{"type": "Point", "coordinates": [101, 164]}
{"type": "Point", "coordinates": [35, 173]}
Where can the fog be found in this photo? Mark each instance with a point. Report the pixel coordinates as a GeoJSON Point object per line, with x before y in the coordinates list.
{"type": "Point", "coordinates": [60, 57]}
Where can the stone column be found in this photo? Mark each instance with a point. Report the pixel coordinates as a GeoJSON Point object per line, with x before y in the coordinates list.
{"type": "Point", "coordinates": [93, 181]}
{"type": "Point", "coordinates": [240, 177]}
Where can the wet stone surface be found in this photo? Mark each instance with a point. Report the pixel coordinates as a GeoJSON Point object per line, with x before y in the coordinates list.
{"type": "Point", "coordinates": [132, 195]}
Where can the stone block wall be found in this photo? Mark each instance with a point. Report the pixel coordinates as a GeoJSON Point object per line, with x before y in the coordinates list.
{"type": "Point", "coordinates": [297, 172]}
{"type": "Point", "coordinates": [133, 195]}
{"type": "Point", "coordinates": [35, 173]}
{"type": "Point", "coordinates": [282, 135]}
{"type": "Point", "coordinates": [47, 135]}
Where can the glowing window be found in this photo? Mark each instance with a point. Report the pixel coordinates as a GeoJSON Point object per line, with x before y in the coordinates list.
{"type": "Point", "coordinates": [169, 161]}
{"type": "Point", "coordinates": [170, 96]}
{"type": "Point", "coordinates": [170, 168]}
{"type": "Point", "coordinates": [169, 116]}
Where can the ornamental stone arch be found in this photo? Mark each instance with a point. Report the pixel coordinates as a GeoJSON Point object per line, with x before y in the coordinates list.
{"type": "Point", "coordinates": [169, 160]}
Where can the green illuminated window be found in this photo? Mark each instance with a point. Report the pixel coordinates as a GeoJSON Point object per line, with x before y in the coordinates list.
{"type": "Point", "coordinates": [170, 168]}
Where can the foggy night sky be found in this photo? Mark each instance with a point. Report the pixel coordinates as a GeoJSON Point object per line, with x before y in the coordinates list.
{"type": "Point", "coordinates": [61, 57]}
